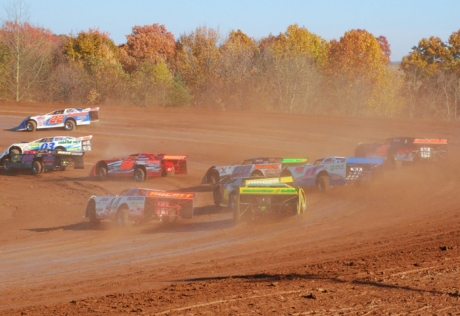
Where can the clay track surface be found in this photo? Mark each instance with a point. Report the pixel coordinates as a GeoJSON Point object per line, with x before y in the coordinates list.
{"type": "Point", "coordinates": [388, 248]}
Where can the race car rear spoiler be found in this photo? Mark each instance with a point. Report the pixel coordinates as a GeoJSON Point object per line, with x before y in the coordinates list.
{"type": "Point", "coordinates": [184, 200]}
{"type": "Point", "coordinates": [178, 161]}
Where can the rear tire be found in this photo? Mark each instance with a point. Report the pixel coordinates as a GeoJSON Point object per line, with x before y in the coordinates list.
{"type": "Point", "coordinates": [15, 151]}
{"type": "Point", "coordinates": [217, 196]}
{"type": "Point", "coordinates": [37, 167]}
{"type": "Point", "coordinates": [213, 179]}
{"type": "Point", "coordinates": [102, 173]}
{"type": "Point", "coordinates": [139, 175]}
{"type": "Point", "coordinates": [120, 217]}
{"type": "Point", "coordinates": [69, 125]}
{"type": "Point", "coordinates": [31, 126]}
{"type": "Point", "coordinates": [93, 220]}
{"type": "Point", "coordinates": [235, 208]}
{"type": "Point", "coordinates": [322, 183]}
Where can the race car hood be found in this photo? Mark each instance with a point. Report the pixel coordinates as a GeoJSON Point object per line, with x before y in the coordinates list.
{"type": "Point", "coordinates": [22, 126]}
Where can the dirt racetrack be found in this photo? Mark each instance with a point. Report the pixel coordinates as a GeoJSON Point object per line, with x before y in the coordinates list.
{"type": "Point", "coordinates": [389, 248]}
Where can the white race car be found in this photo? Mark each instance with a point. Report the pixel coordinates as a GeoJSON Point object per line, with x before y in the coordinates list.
{"type": "Point", "coordinates": [67, 118]}
{"type": "Point", "coordinates": [58, 143]}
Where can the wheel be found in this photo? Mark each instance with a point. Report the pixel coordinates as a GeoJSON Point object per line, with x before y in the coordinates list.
{"type": "Point", "coordinates": [257, 173]}
{"type": "Point", "coordinates": [213, 179]}
{"type": "Point", "coordinates": [302, 203]}
{"type": "Point", "coordinates": [37, 167]}
{"type": "Point", "coordinates": [139, 175]}
{"type": "Point", "coordinates": [59, 148]}
{"type": "Point", "coordinates": [171, 172]}
{"type": "Point", "coordinates": [93, 220]}
{"type": "Point", "coordinates": [168, 220]}
{"type": "Point", "coordinates": [235, 208]}
{"type": "Point", "coordinates": [6, 164]}
{"type": "Point", "coordinates": [120, 217]}
{"type": "Point", "coordinates": [69, 125]}
{"type": "Point", "coordinates": [15, 150]}
{"type": "Point", "coordinates": [390, 163]}
{"type": "Point", "coordinates": [31, 126]}
{"type": "Point", "coordinates": [217, 196]}
{"type": "Point", "coordinates": [102, 173]}
{"type": "Point", "coordinates": [322, 183]}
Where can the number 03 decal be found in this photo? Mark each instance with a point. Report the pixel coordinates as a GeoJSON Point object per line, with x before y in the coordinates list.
{"type": "Point", "coordinates": [47, 146]}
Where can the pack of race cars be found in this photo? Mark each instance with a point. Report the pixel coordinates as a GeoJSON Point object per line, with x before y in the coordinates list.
{"type": "Point", "coordinates": [250, 189]}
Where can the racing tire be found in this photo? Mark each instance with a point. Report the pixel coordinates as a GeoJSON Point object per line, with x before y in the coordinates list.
{"type": "Point", "coordinates": [69, 125]}
{"type": "Point", "coordinates": [168, 220]}
{"type": "Point", "coordinates": [171, 172]}
{"type": "Point", "coordinates": [302, 203]}
{"type": "Point", "coordinates": [257, 173]}
{"type": "Point", "coordinates": [31, 126]}
{"type": "Point", "coordinates": [139, 175]}
{"type": "Point", "coordinates": [213, 179]}
{"type": "Point", "coordinates": [37, 167]}
{"type": "Point", "coordinates": [102, 173]}
{"type": "Point", "coordinates": [6, 165]}
{"type": "Point", "coordinates": [217, 196]}
{"type": "Point", "coordinates": [322, 183]}
{"type": "Point", "coordinates": [120, 217]}
{"type": "Point", "coordinates": [235, 209]}
{"type": "Point", "coordinates": [15, 150]}
{"type": "Point", "coordinates": [60, 148]}
{"type": "Point", "coordinates": [93, 220]}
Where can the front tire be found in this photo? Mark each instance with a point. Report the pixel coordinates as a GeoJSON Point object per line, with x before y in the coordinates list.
{"type": "Point", "coordinates": [37, 167]}
{"type": "Point", "coordinates": [139, 175]}
{"type": "Point", "coordinates": [69, 125]}
{"type": "Point", "coordinates": [6, 165]}
{"type": "Point", "coordinates": [31, 126]}
{"type": "Point", "coordinates": [213, 179]}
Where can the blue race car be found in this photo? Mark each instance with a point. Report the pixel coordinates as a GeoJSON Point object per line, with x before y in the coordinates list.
{"type": "Point", "coordinates": [67, 118]}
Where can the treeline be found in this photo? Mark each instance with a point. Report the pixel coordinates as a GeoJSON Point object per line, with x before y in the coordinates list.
{"type": "Point", "coordinates": [296, 71]}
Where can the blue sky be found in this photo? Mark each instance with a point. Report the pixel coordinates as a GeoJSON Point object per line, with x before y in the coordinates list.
{"type": "Point", "coordinates": [402, 22]}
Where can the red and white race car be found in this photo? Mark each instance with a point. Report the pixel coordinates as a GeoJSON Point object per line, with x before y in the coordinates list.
{"type": "Point", "coordinates": [139, 206]}
{"type": "Point", "coordinates": [140, 166]}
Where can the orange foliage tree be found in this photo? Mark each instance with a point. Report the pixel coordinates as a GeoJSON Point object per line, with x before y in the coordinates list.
{"type": "Point", "coordinates": [151, 43]}
{"type": "Point", "coordinates": [25, 54]}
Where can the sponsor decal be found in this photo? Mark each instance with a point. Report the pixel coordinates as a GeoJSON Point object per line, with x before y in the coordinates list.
{"type": "Point", "coordinates": [430, 141]}
{"type": "Point", "coordinates": [271, 166]}
{"type": "Point", "coordinates": [263, 181]}
{"type": "Point", "coordinates": [294, 160]}
{"type": "Point", "coordinates": [268, 190]}
{"type": "Point", "coordinates": [171, 195]}
{"type": "Point", "coordinates": [174, 157]}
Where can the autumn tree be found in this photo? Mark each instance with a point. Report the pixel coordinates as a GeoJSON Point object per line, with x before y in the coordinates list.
{"type": "Point", "coordinates": [431, 72]}
{"type": "Point", "coordinates": [95, 52]}
{"type": "Point", "coordinates": [197, 59]}
{"type": "Point", "coordinates": [25, 53]}
{"type": "Point", "coordinates": [234, 70]}
{"type": "Point", "coordinates": [151, 43]}
{"type": "Point", "coordinates": [356, 66]}
{"type": "Point", "coordinates": [296, 57]}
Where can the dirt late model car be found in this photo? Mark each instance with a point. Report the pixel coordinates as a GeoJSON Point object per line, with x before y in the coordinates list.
{"type": "Point", "coordinates": [140, 205]}
{"type": "Point", "coordinates": [405, 149]}
{"type": "Point", "coordinates": [39, 162]}
{"type": "Point", "coordinates": [67, 118]}
{"type": "Point", "coordinates": [333, 171]}
{"type": "Point", "coordinates": [261, 166]}
{"type": "Point", "coordinates": [249, 198]}
{"type": "Point", "coordinates": [58, 143]}
{"type": "Point", "coordinates": [140, 166]}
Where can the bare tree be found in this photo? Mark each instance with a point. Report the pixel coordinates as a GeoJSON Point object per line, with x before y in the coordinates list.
{"type": "Point", "coordinates": [27, 52]}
